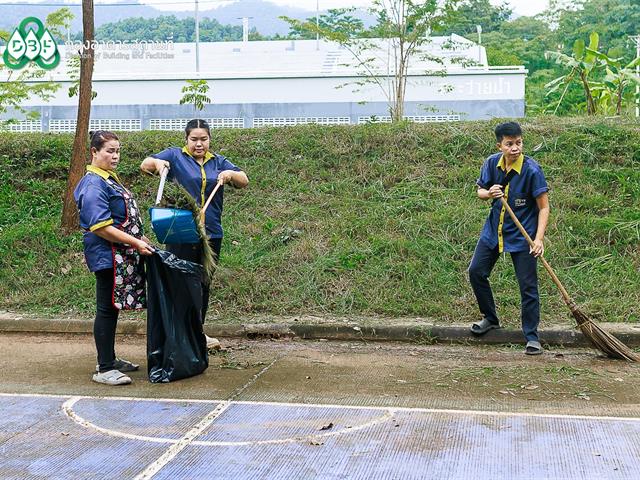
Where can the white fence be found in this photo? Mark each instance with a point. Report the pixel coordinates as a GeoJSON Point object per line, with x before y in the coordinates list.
{"type": "Point", "coordinates": [411, 118]}
{"type": "Point", "coordinates": [120, 124]}
{"type": "Point", "coordinates": [179, 123]}
{"type": "Point", "coordinates": [288, 121]}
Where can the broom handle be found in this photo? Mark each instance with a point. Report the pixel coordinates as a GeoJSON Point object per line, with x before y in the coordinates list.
{"type": "Point", "coordinates": [163, 179]}
{"type": "Point", "coordinates": [568, 300]}
{"type": "Point", "coordinates": [213, 194]}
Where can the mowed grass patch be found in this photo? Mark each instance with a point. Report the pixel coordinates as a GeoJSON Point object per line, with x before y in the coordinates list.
{"type": "Point", "coordinates": [355, 220]}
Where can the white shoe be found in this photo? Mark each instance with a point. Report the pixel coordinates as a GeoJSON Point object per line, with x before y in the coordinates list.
{"type": "Point", "coordinates": [112, 377]}
{"type": "Point", "coordinates": [212, 343]}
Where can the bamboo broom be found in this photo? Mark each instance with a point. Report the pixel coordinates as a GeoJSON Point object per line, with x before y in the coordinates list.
{"type": "Point", "coordinates": [602, 340]}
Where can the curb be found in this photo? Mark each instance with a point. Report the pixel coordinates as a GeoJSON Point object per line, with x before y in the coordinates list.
{"type": "Point", "coordinates": [427, 333]}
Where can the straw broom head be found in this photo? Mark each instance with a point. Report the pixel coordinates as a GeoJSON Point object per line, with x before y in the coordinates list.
{"type": "Point", "coordinates": [606, 343]}
{"type": "Point", "coordinates": [602, 340]}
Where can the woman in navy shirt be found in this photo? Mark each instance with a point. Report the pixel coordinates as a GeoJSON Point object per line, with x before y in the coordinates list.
{"type": "Point", "coordinates": [198, 171]}
{"type": "Point", "coordinates": [113, 242]}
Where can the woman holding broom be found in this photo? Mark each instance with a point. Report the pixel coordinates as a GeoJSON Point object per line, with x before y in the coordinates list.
{"type": "Point", "coordinates": [113, 242]}
{"type": "Point", "coordinates": [198, 170]}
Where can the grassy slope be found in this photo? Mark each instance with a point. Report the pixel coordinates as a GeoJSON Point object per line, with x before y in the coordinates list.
{"type": "Point", "coordinates": [373, 220]}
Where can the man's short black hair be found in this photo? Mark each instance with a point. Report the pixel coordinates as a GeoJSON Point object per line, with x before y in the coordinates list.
{"type": "Point", "coordinates": [508, 129]}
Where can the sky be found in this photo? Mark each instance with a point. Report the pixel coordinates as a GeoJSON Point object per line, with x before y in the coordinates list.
{"type": "Point", "coordinates": [520, 7]}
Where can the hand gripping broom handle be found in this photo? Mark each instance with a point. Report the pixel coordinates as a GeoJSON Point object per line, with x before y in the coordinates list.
{"type": "Point", "coordinates": [567, 299]}
{"type": "Point", "coordinates": [204, 208]}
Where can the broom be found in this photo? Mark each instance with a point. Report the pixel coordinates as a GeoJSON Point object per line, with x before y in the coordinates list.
{"type": "Point", "coordinates": [602, 340]}
{"type": "Point", "coordinates": [175, 196]}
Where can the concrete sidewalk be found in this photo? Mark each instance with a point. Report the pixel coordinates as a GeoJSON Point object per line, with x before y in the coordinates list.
{"type": "Point", "coordinates": [416, 330]}
{"type": "Point", "coordinates": [286, 409]}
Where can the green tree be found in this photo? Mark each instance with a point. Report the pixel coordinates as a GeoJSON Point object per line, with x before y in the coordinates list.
{"type": "Point", "coordinates": [614, 20]}
{"type": "Point", "coordinates": [525, 38]}
{"type": "Point", "coordinates": [338, 20]}
{"type": "Point", "coordinates": [405, 24]}
{"type": "Point", "coordinates": [170, 27]}
{"type": "Point", "coordinates": [195, 93]}
{"type": "Point", "coordinates": [463, 20]}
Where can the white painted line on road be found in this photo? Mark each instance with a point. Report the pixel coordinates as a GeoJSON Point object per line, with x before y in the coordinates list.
{"type": "Point", "coordinates": [67, 408]}
{"type": "Point", "coordinates": [307, 438]}
{"type": "Point", "coordinates": [190, 436]}
{"type": "Point", "coordinates": [490, 413]}
{"type": "Point", "coordinates": [108, 397]}
{"type": "Point", "coordinates": [330, 405]}
{"type": "Point", "coordinates": [183, 443]}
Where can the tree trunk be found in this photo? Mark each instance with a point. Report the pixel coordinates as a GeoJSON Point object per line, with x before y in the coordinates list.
{"type": "Point", "coordinates": [591, 106]}
{"type": "Point", "coordinates": [400, 74]}
{"type": "Point", "coordinates": [619, 99]}
{"type": "Point", "coordinates": [69, 222]}
{"type": "Point", "coordinates": [399, 98]}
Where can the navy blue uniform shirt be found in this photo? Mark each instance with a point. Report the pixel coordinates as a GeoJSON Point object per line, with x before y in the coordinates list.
{"type": "Point", "coordinates": [199, 181]}
{"type": "Point", "coordinates": [525, 186]}
{"type": "Point", "coordinates": [99, 205]}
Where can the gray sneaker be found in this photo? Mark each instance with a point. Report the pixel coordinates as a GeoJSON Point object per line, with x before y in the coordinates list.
{"type": "Point", "coordinates": [122, 365]}
{"type": "Point", "coordinates": [112, 377]}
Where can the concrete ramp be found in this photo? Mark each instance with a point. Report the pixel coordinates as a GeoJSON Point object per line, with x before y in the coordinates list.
{"type": "Point", "coordinates": [71, 437]}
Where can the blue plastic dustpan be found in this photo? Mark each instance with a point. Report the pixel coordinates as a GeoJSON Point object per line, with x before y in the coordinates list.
{"type": "Point", "coordinates": [172, 225]}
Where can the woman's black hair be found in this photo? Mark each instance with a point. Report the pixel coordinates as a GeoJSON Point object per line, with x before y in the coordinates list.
{"type": "Point", "coordinates": [508, 129]}
{"type": "Point", "coordinates": [100, 137]}
{"type": "Point", "coordinates": [197, 123]}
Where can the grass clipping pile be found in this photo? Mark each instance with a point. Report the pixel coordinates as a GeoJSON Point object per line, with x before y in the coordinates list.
{"type": "Point", "coordinates": [175, 196]}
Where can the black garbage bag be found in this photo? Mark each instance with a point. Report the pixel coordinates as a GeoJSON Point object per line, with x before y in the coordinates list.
{"type": "Point", "coordinates": [176, 345]}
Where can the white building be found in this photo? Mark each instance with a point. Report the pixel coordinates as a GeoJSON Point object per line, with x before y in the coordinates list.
{"type": "Point", "coordinates": [262, 83]}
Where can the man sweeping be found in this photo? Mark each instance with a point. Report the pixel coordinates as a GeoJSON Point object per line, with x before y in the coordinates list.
{"type": "Point", "coordinates": [520, 180]}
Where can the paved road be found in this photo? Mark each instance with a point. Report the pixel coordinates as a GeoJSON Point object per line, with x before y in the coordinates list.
{"type": "Point", "coordinates": [295, 409]}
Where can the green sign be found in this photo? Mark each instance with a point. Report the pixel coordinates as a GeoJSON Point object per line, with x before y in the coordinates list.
{"type": "Point", "coordinates": [32, 45]}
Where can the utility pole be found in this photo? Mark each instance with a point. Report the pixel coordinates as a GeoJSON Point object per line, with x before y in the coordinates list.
{"type": "Point", "coordinates": [479, 30]}
{"type": "Point", "coordinates": [636, 39]}
{"type": "Point", "coordinates": [245, 28]}
{"type": "Point", "coordinates": [317, 24]}
{"type": "Point", "coordinates": [197, 39]}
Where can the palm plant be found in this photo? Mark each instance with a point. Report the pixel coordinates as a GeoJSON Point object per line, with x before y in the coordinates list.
{"type": "Point", "coordinates": [617, 78]}
{"type": "Point", "coordinates": [583, 61]}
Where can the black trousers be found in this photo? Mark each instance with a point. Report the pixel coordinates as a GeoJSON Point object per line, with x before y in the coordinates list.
{"type": "Point", "coordinates": [193, 253]}
{"type": "Point", "coordinates": [104, 326]}
{"type": "Point", "coordinates": [483, 261]}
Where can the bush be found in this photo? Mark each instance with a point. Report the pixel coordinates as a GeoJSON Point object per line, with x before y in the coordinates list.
{"type": "Point", "coordinates": [355, 220]}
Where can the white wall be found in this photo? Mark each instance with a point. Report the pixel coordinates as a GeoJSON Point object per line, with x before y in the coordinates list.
{"type": "Point", "coordinates": [487, 85]}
